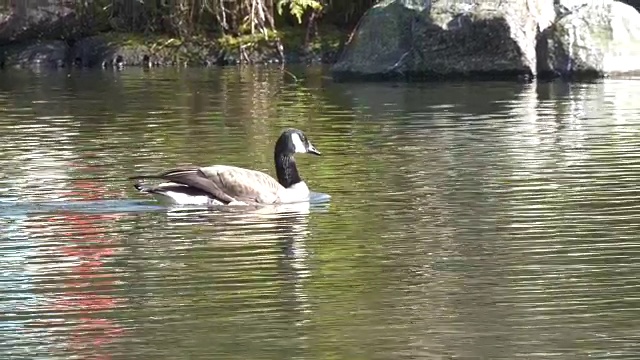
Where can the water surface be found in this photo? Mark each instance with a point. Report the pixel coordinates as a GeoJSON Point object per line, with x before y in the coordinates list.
{"type": "Point", "coordinates": [467, 220]}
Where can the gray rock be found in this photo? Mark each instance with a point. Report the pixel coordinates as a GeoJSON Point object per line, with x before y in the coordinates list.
{"type": "Point", "coordinates": [381, 42]}
{"type": "Point", "coordinates": [99, 51]}
{"type": "Point", "coordinates": [591, 39]}
{"type": "Point", "coordinates": [444, 39]}
{"type": "Point", "coordinates": [112, 50]}
{"type": "Point", "coordinates": [47, 54]}
{"type": "Point", "coordinates": [36, 19]}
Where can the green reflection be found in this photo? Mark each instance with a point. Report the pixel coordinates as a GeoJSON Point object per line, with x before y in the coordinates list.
{"type": "Point", "coordinates": [467, 220]}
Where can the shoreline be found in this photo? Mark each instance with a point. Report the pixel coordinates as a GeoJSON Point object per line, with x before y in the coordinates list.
{"type": "Point", "coordinates": [121, 49]}
{"type": "Point", "coordinates": [389, 41]}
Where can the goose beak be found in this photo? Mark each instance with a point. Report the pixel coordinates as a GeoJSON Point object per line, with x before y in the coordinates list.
{"type": "Point", "coordinates": [312, 150]}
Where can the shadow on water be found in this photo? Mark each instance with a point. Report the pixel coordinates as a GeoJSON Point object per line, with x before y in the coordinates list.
{"type": "Point", "coordinates": [475, 220]}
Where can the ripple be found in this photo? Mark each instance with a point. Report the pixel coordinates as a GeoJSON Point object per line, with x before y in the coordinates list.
{"type": "Point", "coordinates": [477, 220]}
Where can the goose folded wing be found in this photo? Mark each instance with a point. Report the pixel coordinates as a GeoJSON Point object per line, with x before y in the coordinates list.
{"type": "Point", "coordinates": [244, 184]}
{"type": "Point", "coordinates": [194, 177]}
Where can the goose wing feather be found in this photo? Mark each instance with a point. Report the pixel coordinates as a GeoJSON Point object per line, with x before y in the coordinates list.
{"type": "Point", "coordinates": [244, 184]}
{"type": "Point", "coordinates": [226, 183]}
{"type": "Point", "coordinates": [194, 177]}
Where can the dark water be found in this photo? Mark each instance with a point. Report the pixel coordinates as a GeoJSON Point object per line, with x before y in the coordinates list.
{"type": "Point", "coordinates": [475, 221]}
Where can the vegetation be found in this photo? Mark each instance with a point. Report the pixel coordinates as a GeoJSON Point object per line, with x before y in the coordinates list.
{"type": "Point", "coordinates": [230, 21]}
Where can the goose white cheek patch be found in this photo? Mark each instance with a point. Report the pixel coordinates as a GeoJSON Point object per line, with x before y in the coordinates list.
{"type": "Point", "coordinates": [298, 145]}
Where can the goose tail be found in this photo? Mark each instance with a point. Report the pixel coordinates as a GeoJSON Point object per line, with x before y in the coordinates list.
{"type": "Point", "coordinates": [141, 187]}
{"type": "Point", "coordinates": [177, 194]}
{"type": "Point", "coordinates": [138, 184]}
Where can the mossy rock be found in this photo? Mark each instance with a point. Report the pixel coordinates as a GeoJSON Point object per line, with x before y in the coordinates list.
{"type": "Point", "coordinates": [117, 49]}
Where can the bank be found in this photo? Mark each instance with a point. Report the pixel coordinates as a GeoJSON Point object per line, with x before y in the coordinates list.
{"type": "Point", "coordinates": [399, 40]}
{"type": "Point", "coordinates": [117, 49]}
{"type": "Point", "coordinates": [105, 33]}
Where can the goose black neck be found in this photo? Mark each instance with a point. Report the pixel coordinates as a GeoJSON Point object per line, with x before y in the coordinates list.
{"type": "Point", "coordinates": [286, 170]}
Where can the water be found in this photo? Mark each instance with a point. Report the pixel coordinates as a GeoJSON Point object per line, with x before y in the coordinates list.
{"type": "Point", "coordinates": [481, 220]}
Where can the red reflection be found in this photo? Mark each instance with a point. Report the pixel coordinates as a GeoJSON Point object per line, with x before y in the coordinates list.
{"type": "Point", "coordinates": [89, 189]}
{"type": "Point", "coordinates": [87, 289]}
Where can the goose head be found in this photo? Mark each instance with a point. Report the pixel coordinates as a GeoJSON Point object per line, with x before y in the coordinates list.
{"type": "Point", "coordinates": [293, 141]}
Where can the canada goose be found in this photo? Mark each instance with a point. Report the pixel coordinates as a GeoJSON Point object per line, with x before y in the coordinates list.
{"type": "Point", "coordinates": [231, 185]}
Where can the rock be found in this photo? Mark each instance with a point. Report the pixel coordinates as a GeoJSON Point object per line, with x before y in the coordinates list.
{"type": "Point", "coordinates": [131, 50]}
{"type": "Point", "coordinates": [54, 19]}
{"type": "Point", "coordinates": [99, 51]}
{"type": "Point", "coordinates": [49, 54]}
{"type": "Point", "coordinates": [40, 19]}
{"type": "Point", "coordinates": [634, 3]}
{"type": "Point", "coordinates": [591, 39]}
{"type": "Point", "coordinates": [381, 40]}
{"type": "Point", "coordinates": [113, 50]}
{"type": "Point", "coordinates": [445, 39]}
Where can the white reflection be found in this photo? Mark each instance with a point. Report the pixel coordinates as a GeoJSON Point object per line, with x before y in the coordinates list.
{"type": "Point", "coordinates": [17, 279]}
{"type": "Point", "coordinates": [41, 150]}
{"type": "Point", "coordinates": [529, 135]}
{"type": "Point", "coordinates": [623, 95]}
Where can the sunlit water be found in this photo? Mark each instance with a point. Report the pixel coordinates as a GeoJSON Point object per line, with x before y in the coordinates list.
{"type": "Point", "coordinates": [483, 220]}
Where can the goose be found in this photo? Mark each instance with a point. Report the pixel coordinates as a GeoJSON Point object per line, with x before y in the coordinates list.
{"type": "Point", "coordinates": [231, 185]}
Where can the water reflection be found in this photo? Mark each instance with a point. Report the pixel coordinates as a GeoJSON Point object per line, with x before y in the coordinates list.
{"type": "Point", "coordinates": [69, 278]}
{"type": "Point", "coordinates": [257, 269]}
{"type": "Point", "coordinates": [478, 220]}
{"type": "Point", "coordinates": [245, 272]}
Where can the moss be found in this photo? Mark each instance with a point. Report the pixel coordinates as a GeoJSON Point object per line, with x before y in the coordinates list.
{"type": "Point", "coordinates": [135, 39]}
{"type": "Point", "coordinates": [328, 38]}
{"type": "Point", "coordinates": [247, 42]}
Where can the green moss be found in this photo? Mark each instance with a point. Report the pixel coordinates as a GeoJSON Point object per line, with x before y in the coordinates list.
{"type": "Point", "coordinates": [328, 38]}
{"type": "Point", "coordinates": [204, 48]}
{"type": "Point", "coordinates": [162, 47]}
{"type": "Point", "coordinates": [293, 40]}
{"type": "Point", "coordinates": [247, 42]}
{"type": "Point", "coordinates": [138, 40]}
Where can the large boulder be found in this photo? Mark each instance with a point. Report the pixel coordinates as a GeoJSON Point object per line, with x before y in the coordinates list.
{"type": "Point", "coordinates": [444, 38]}
{"type": "Point", "coordinates": [40, 54]}
{"type": "Point", "coordinates": [105, 51]}
{"type": "Point", "coordinates": [591, 39]}
{"type": "Point", "coordinates": [37, 19]}
{"type": "Point", "coordinates": [54, 19]}
{"type": "Point", "coordinates": [383, 37]}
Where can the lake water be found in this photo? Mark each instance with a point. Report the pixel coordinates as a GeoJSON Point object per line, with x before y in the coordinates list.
{"type": "Point", "coordinates": [466, 220]}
